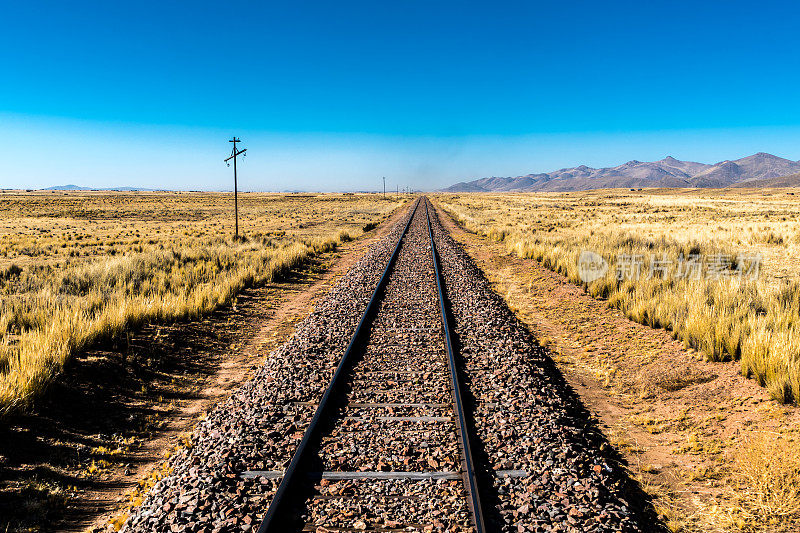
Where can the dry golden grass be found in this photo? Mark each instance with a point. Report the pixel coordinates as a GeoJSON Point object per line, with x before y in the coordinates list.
{"type": "Point", "coordinates": [755, 321]}
{"type": "Point", "coordinates": [765, 473]}
{"type": "Point", "coordinates": [768, 474]}
{"type": "Point", "coordinates": [78, 268]}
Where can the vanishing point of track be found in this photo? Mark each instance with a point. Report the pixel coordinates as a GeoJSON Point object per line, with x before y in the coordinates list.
{"type": "Point", "coordinates": [374, 356]}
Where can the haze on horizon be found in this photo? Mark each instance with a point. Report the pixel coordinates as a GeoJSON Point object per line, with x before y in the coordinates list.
{"type": "Point", "coordinates": [334, 96]}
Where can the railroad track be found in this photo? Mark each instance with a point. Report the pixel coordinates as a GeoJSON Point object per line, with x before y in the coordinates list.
{"type": "Point", "coordinates": [391, 428]}
{"type": "Point", "coordinates": [400, 433]}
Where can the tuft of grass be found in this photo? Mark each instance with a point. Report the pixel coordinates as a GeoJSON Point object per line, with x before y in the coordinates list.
{"type": "Point", "coordinates": [766, 469]}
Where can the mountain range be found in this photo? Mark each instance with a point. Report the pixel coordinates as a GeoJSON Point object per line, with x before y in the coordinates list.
{"type": "Point", "coordinates": [78, 188]}
{"type": "Point", "coordinates": [756, 170]}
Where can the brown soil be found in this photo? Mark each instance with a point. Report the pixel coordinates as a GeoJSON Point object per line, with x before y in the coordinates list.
{"type": "Point", "coordinates": [680, 422]}
{"type": "Point", "coordinates": [106, 426]}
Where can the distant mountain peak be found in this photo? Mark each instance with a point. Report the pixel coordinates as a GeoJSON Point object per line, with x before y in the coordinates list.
{"type": "Point", "coordinates": [79, 188]}
{"type": "Point", "coordinates": [69, 187]}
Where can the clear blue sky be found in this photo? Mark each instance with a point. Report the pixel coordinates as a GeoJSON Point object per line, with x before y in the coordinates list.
{"type": "Point", "coordinates": [332, 95]}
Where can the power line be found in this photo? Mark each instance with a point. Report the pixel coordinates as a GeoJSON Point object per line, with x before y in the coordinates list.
{"type": "Point", "coordinates": [234, 154]}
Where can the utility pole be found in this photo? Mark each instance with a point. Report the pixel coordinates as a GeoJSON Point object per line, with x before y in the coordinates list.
{"type": "Point", "coordinates": [235, 153]}
{"type": "Point", "coordinates": [384, 186]}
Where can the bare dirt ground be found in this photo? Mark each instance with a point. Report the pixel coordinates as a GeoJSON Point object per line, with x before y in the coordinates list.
{"type": "Point", "coordinates": [693, 432]}
{"type": "Point", "coordinates": [103, 431]}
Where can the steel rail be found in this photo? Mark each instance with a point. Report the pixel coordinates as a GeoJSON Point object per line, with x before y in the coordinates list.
{"type": "Point", "coordinates": [276, 517]}
{"type": "Point", "coordinates": [468, 465]}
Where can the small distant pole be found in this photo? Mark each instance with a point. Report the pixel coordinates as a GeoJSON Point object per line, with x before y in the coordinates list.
{"type": "Point", "coordinates": [384, 186]}
{"type": "Point", "coordinates": [235, 153]}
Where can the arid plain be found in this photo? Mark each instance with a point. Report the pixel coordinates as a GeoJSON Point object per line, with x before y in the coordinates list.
{"type": "Point", "coordinates": [695, 377]}
{"type": "Point", "coordinates": [80, 268]}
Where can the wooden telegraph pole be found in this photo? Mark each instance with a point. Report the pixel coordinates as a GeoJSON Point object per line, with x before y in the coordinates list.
{"type": "Point", "coordinates": [384, 186]}
{"type": "Point", "coordinates": [235, 153]}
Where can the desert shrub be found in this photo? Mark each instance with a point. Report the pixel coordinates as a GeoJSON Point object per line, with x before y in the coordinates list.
{"type": "Point", "coordinates": [10, 272]}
